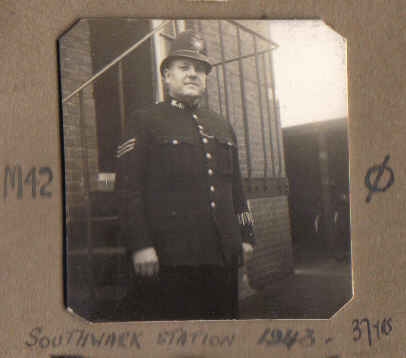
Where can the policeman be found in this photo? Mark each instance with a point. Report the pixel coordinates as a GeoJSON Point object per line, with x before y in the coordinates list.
{"type": "Point", "coordinates": [184, 215]}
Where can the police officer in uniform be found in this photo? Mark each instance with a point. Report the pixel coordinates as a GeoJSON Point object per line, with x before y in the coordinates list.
{"type": "Point", "coordinates": [184, 215]}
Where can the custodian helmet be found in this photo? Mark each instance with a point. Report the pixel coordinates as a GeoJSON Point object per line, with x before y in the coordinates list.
{"type": "Point", "coordinates": [188, 44]}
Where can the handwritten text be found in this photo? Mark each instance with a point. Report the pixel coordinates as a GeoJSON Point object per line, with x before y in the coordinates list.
{"type": "Point", "coordinates": [82, 338]}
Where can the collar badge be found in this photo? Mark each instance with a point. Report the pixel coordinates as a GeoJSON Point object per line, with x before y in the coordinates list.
{"type": "Point", "coordinates": [177, 104]}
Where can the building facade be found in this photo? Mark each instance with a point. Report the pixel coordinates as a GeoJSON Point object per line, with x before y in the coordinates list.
{"type": "Point", "coordinates": [240, 87]}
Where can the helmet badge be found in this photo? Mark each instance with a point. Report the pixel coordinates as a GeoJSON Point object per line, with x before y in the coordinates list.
{"type": "Point", "coordinates": [197, 44]}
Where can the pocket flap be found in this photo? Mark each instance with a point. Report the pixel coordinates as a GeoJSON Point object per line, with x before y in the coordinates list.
{"type": "Point", "coordinates": [174, 140]}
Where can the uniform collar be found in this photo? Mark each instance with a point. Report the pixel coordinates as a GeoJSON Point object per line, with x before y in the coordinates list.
{"type": "Point", "coordinates": [181, 105]}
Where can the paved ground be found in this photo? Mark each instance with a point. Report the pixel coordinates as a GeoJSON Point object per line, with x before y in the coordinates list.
{"type": "Point", "coordinates": [319, 286]}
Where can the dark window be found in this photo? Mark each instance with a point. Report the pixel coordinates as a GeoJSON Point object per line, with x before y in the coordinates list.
{"type": "Point", "coordinates": [109, 39]}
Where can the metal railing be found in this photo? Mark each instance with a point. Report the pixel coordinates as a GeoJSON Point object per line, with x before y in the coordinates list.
{"type": "Point", "coordinates": [271, 109]}
{"type": "Point", "coordinates": [116, 60]}
{"type": "Point", "coordinates": [269, 106]}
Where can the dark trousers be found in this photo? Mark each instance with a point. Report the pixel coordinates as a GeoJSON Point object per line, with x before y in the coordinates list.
{"type": "Point", "coordinates": [205, 292]}
{"type": "Point", "coordinates": [184, 293]}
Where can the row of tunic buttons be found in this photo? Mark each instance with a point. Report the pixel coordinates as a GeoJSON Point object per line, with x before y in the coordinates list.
{"type": "Point", "coordinates": [208, 156]}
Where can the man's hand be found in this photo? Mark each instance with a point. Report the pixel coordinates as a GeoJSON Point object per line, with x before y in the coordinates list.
{"type": "Point", "coordinates": [146, 262]}
{"type": "Point", "coordinates": [248, 251]}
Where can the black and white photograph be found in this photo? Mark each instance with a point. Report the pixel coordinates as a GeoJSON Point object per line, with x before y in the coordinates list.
{"type": "Point", "coordinates": [206, 169]}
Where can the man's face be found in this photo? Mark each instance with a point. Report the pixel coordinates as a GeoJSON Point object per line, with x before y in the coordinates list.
{"type": "Point", "coordinates": [186, 79]}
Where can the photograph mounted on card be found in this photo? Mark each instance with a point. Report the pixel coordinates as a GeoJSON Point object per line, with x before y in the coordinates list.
{"type": "Point", "coordinates": [206, 169]}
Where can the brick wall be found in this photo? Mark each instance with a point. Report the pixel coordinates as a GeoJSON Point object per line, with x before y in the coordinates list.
{"type": "Point", "coordinates": [211, 31]}
{"type": "Point", "coordinates": [79, 132]}
{"type": "Point", "coordinates": [273, 255]}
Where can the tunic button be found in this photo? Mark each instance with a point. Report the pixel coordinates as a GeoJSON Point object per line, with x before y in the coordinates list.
{"type": "Point", "coordinates": [200, 126]}
{"type": "Point", "coordinates": [205, 140]}
{"type": "Point", "coordinates": [175, 141]}
{"type": "Point", "coordinates": [208, 156]}
{"type": "Point", "coordinates": [213, 204]}
{"type": "Point", "coordinates": [210, 171]}
{"type": "Point", "coordinates": [212, 188]}
{"type": "Point", "coordinates": [195, 116]}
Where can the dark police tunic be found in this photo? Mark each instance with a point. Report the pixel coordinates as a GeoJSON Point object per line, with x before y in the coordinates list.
{"type": "Point", "coordinates": [180, 186]}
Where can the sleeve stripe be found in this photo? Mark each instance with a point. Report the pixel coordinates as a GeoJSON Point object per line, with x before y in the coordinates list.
{"type": "Point", "coordinates": [122, 152]}
{"type": "Point", "coordinates": [122, 149]}
{"type": "Point", "coordinates": [130, 141]}
{"type": "Point", "coordinates": [245, 218]}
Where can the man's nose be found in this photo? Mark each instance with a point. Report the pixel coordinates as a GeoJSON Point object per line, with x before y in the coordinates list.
{"type": "Point", "coordinates": [192, 71]}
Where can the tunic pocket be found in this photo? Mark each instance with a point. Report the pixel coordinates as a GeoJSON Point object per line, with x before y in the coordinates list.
{"type": "Point", "coordinates": [176, 156]}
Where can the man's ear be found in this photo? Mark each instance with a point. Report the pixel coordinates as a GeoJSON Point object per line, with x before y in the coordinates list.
{"type": "Point", "coordinates": [165, 74]}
